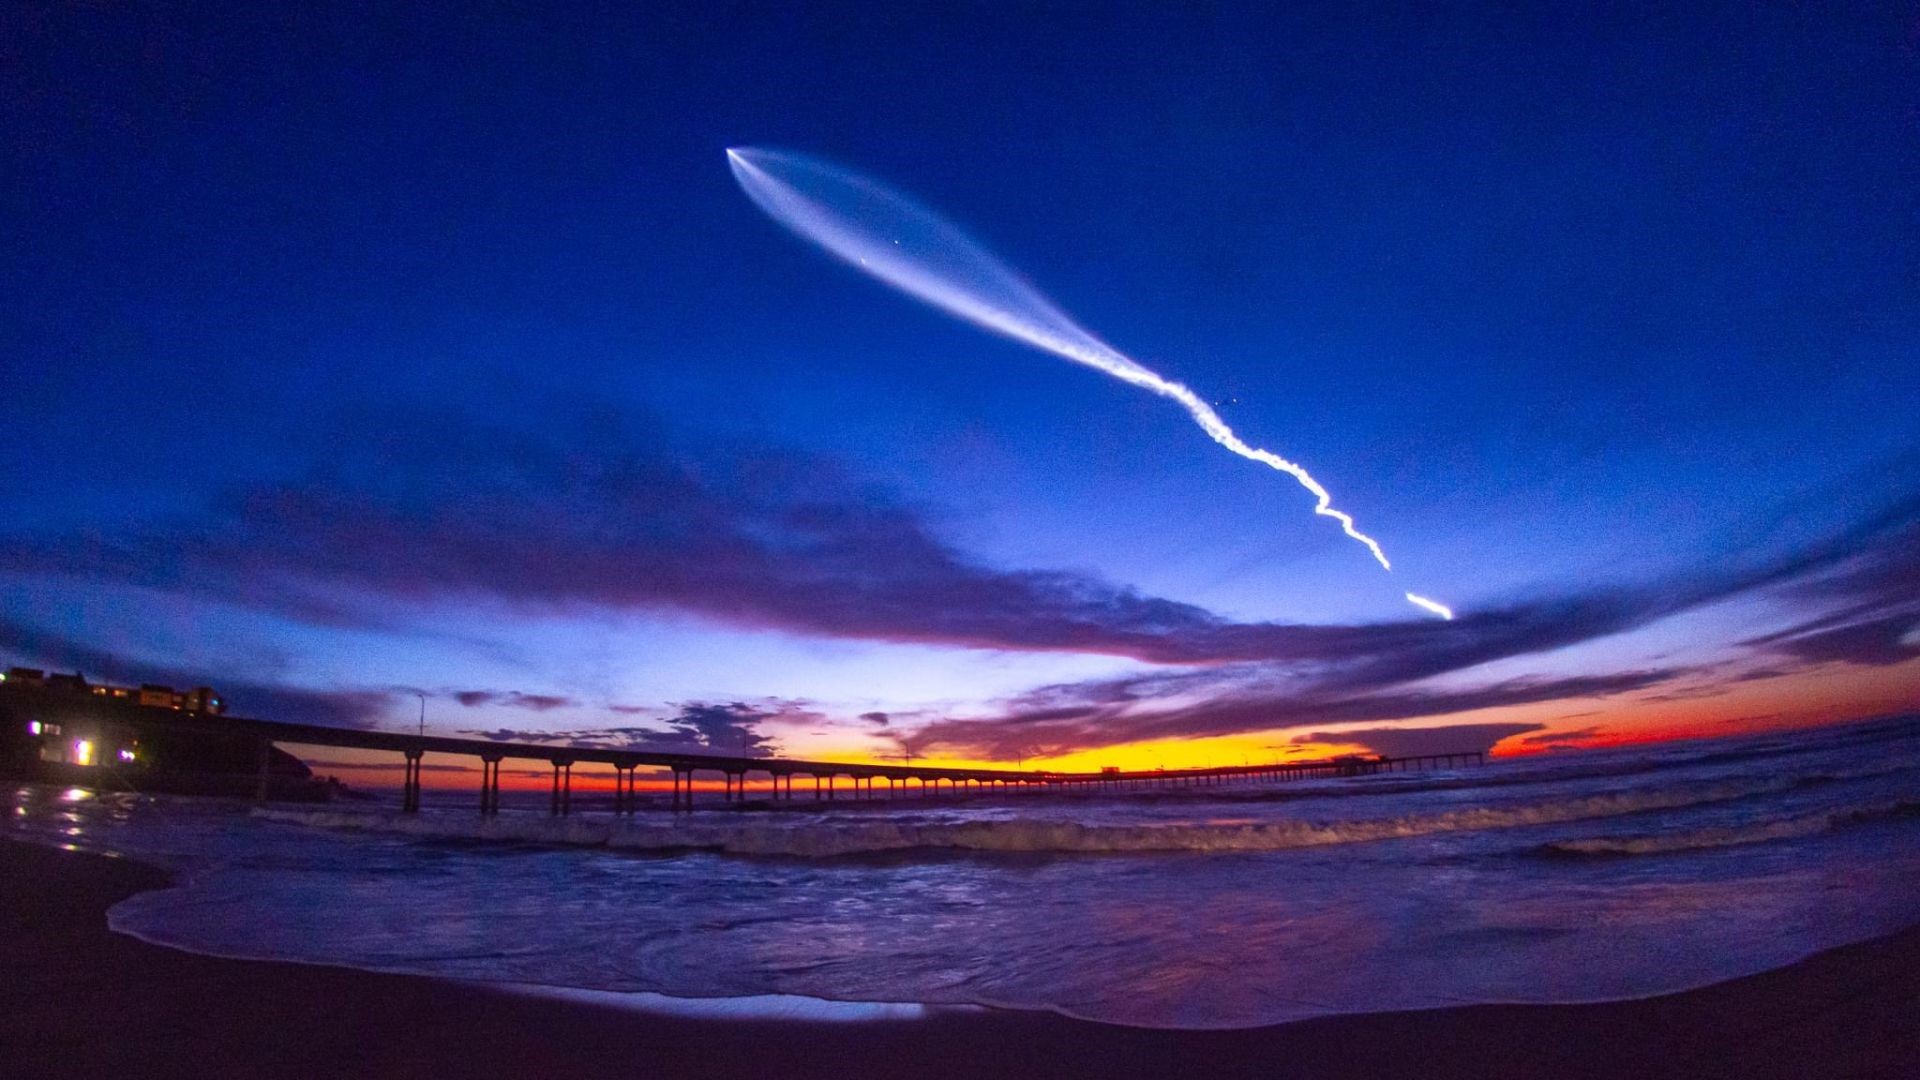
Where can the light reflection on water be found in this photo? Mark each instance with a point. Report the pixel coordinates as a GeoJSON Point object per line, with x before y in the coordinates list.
{"type": "Point", "coordinates": [1181, 938]}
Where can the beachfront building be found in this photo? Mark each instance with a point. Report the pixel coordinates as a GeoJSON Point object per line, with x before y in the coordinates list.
{"type": "Point", "coordinates": [64, 729]}
{"type": "Point", "coordinates": [63, 736]}
{"type": "Point", "coordinates": [200, 699]}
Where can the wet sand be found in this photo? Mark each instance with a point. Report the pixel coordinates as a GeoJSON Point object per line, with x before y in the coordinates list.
{"type": "Point", "coordinates": [77, 1000]}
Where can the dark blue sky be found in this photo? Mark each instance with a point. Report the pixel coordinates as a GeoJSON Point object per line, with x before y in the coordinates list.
{"type": "Point", "coordinates": [1554, 301]}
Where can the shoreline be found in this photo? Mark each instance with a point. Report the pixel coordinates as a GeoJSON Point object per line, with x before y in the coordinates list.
{"type": "Point", "coordinates": [81, 1000]}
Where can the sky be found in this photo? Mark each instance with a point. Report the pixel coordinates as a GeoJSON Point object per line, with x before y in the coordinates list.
{"type": "Point", "coordinates": [364, 360]}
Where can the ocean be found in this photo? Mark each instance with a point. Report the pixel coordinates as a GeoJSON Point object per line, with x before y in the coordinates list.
{"type": "Point", "coordinates": [1567, 877]}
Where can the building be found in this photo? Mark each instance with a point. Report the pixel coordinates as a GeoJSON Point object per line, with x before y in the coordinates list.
{"type": "Point", "coordinates": [200, 699]}
{"type": "Point", "coordinates": [64, 729]}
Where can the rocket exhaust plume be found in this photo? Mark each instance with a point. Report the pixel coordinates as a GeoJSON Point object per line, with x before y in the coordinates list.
{"type": "Point", "coordinates": [893, 238]}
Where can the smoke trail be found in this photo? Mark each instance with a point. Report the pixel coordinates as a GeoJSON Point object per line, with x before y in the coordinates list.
{"type": "Point", "coordinates": [916, 251]}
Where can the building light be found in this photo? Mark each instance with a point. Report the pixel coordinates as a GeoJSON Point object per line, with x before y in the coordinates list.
{"type": "Point", "coordinates": [35, 727]}
{"type": "Point", "coordinates": [82, 752]}
{"type": "Point", "coordinates": [126, 755]}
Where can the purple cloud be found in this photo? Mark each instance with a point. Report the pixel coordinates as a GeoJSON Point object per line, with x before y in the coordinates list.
{"type": "Point", "coordinates": [730, 728]}
{"type": "Point", "coordinates": [757, 539]}
{"type": "Point", "coordinates": [1413, 742]}
{"type": "Point", "coordinates": [1870, 608]}
{"type": "Point", "coordinates": [1553, 739]}
{"type": "Point", "coordinates": [355, 707]}
{"type": "Point", "coordinates": [1875, 642]}
{"type": "Point", "coordinates": [1063, 719]}
{"type": "Point", "coordinates": [511, 699]}
{"type": "Point", "coordinates": [603, 520]}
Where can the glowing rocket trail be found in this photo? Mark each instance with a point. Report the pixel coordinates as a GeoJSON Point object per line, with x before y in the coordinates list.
{"type": "Point", "coordinates": [1434, 606]}
{"type": "Point", "coordinates": [916, 251]}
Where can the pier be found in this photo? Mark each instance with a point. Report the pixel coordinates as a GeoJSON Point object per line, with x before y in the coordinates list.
{"type": "Point", "coordinates": [824, 780]}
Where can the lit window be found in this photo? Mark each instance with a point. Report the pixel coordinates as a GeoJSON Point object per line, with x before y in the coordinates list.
{"type": "Point", "coordinates": [126, 755]}
{"type": "Point", "coordinates": [82, 752]}
{"type": "Point", "coordinates": [35, 727]}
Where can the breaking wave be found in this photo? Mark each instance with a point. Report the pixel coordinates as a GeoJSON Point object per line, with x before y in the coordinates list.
{"type": "Point", "coordinates": [829, 837]}
{"type": "Point", "coordinates": [1791, 828]}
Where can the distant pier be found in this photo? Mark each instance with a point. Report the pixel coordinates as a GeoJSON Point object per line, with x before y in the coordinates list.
{"type": "Point", "coordinates": [862, 780]}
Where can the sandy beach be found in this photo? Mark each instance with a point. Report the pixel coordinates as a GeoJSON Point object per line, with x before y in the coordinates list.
{"type": "Point", "coordinates": [82, 1001]}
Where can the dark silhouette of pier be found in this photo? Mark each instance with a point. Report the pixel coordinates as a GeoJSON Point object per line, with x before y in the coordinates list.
{"type": "Point", "coordinates": [901, 781]}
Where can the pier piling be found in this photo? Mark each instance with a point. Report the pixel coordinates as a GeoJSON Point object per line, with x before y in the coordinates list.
{"type": "Point", "coordinates": [410, 794]}
{"type": "Point", "coordinates": [490, 784]}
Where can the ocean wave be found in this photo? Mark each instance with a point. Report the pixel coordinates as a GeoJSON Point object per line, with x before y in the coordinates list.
{"type": "Point", "coordinates": [825, 838]}
{"type": "Point", "coordinates": [1791, 828]}
{"type": "Point", "coordinates": [1402, 784]}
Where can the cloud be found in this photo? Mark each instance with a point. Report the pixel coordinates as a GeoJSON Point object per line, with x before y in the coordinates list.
{"type": "Point", "coordinates": [1416, 741]}
{"type": "Point", "coordinates": [1064, 719]}
{"type": "Point", "coordinates": [614, 521]}
{"type": "Point", "coordinates": [293, 705]}
{"type": "Point", "coordinates": [1865, 577]}
{"type": "Point", "coordinates": [607, 520]}
{"type": "Point", "coordinates": [1761, 674]}
{"type": "Point", "coordinates": [729, 728]}
{"type": "Point", "coordinates": [732, 728]}
{"type": "Point", "coordinates": [602, 518]}
{"type": "Point", "coordinates": [243, 697]}
{"type": "Point", "coordinates": [1576, 737]}
{"type": "Point", "coordinates": [1876, 642]}
{"type": "Point", "coordinates": [908, 745]}
{"type": "Point", "coordinates": [1871, 608]}
{"type": "Point", "coordinates": [511, 699]}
